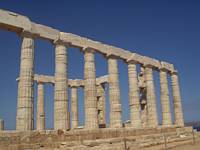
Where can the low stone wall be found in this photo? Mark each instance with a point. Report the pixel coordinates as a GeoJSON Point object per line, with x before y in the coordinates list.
{"type": "Point", "coordinates": [88, 139]}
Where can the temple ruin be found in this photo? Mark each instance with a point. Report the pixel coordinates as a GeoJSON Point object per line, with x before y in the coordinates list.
{"type": "Point", "coordinates": [142, 97]}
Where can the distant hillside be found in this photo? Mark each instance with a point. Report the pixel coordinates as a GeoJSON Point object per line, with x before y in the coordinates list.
{"type": "Point", "coordinates": [195, 124]}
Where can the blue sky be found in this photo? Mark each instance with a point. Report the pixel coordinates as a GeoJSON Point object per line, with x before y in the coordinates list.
{"type": "Point", "coordinates": [166, 30]}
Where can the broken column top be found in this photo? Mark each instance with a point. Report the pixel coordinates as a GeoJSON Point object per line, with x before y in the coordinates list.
{"type": "Point", "coordinates": [18, 23]}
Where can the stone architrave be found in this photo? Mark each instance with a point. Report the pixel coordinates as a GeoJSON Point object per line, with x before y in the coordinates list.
{"type": "Point", "coordinates": [25, 114]}
{"type": "Point", "coordinates": [114, 93]}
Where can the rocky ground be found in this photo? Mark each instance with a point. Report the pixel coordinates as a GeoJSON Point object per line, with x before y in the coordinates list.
{"type": "Point", "coordinates": [188, 147]}
{"type": "Point", "coordinates": [107, 139]}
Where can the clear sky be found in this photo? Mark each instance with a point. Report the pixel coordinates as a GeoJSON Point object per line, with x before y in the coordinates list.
{"type": "Point", "coordinates": [166, 30]}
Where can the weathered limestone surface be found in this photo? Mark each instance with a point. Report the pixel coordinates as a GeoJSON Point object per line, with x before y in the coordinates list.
{"type": "Point", "coordinates": [165, 102]}
{"type": "Point", "coordinates": [71, 82]}
{"type": "Point", "coordinates": [178, 114]}
{"type": "Point", "coordinates": [102, 80]}
{"type": "Point", "coordinates": [101, 104]}
{"type": "Point", "coordinates": [102, 139]}
{"type": "Point", "coordinates": [40, 124]}
{"type": "Point", "coordinates": [114, 93]}
{"type": "Point", "coordinates": [143, 97]}
{"type": "Point", "coordinates": [151, 98]}
{"type": "Point", "coordinates": [61, 119]}
{"type": "Point", "coordinates": [91, 120]}
{"type": "Point", "coordinates": [134, 96]}
{"type": "Point", "coordinates": [17, 23]}
{"type": "Point", "coordinates": [93, 89]}
{"type": "Point", "coordinates": [24, 119]}
{"type": "Point", "coordinates": [1, 124]}
{"type": "Point", "coordinates": [144, 115]}
{"type": "Point", "coordinates": [74, 107]}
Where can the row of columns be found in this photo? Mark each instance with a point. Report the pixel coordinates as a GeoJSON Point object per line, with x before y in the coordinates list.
{"type": "Point", "coordinates": [40, 119]}
{"type": "Point", "coordinates": [61, 114]}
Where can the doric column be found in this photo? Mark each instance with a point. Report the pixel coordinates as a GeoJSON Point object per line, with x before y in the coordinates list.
{"type": "Point", "coordinates": [1, 125]}
{"type": "Point", "coordinates": [101, 105]}
{"type": "Point", "coordinates": [114, 93]}
{"type": "Point", "coordinates": [74, 107]}
{"type": "Point", "coordinates": [61, 119]}
{"type": "Point", "coordinates": [91, 120]}
{"type": "Point", "coordinates": [24, 118]}
{"type": "Point", "coordinates": [151, 98]}
{"type": "Point", "coordinates": [40, 125]}
{"type": "Point", "coordinates": [134, 102]}
{"type": "Point", "coordinates": [165, 102]}
{"type": "Point", "coordinates": [143, 97]}
{"type": "Point", "coordinates": [178, 114]}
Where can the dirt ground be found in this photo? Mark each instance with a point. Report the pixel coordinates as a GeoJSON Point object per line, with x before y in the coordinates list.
{"type": "Point", "coordinates": [188, 147]}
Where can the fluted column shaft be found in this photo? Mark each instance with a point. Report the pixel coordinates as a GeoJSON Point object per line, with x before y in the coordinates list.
{"type": "Point", "coordinates": [178, 113]}
{"type": "Point", "coordinates": [24, 118]}
{"type": "Point", "coordinates": [134, 102]}
{"type": "Point", "coordinates": [143, 97]}
{"type": "Point", "coordinates": [40, 125]}
{"type": "Point", "coordinates": [151, 98]}
{"type": "Point", "coordinates": [114, 93]}
{"type": "Point", "coordinates": [74, 107]}
{"type": "Point", "coordinates": [91, 120]}
{"type": "Point", "coordinates": [1, 125]}
{"type": "Point", "coordinates": [165, 102]}
{"type": "Point", "coordinates": [61, 120]}
{"type": "Point", "coordinates": [101, 104]}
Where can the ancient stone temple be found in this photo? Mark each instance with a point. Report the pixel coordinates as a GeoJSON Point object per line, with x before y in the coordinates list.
{"type": "Point", "coordinates": [142, 97]}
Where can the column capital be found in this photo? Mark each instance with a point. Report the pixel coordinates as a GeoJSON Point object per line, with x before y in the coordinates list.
{"type": "Point", "coordinates": [27, 34]}
{"type": "Point", "coordinates": [88, 49]}
{"type": "Point", "coordinates": [131, 62]}
{"type": "Point", "coordinates": [61, 42]}
{"type": "Point", "coordinates": [133, 58]}
{"type": "Point", "coordinates": [75, 86]}
{"type": "Point", "coordinates": [109, 55]}
{"type": "Point", "coordinates": [40, 82]}
{"type": "Point", "coordinates": [145, 65]}
{"type": "Point", "coordinates": [163, 70]}
{"type": "Point", "coordinates": [175, 72]}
